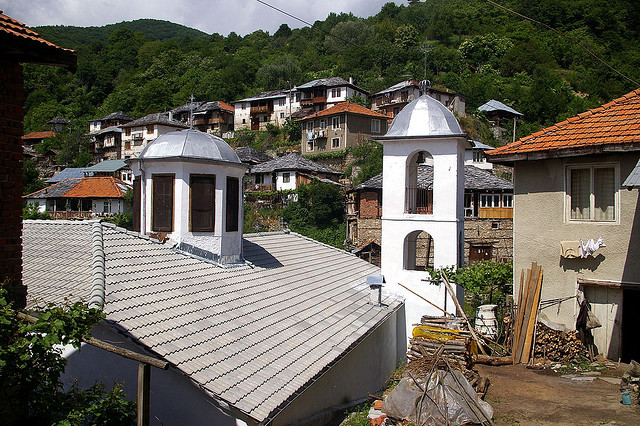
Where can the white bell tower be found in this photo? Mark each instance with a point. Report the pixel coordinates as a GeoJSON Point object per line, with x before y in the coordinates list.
{"type": "Point", "coordinates": [422, 204]}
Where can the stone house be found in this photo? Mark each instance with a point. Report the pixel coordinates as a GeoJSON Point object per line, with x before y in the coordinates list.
{"type": "Point", "coordinates": [106, 135]}
{"type": "Point", "coordinates": [215, 117]}
{"type": "Point", "coordinates": [274, 107]}
{"type": "Point", "coordinates": [391, 100]}
{"type": "Point", "coordinates": [574, 183]}
{"type": "Point", "coordinates": [339, 127]}
{"type": "Point", "coordinates": [288, 172]}
{"type": "Point", "coordinates": [18, 44]}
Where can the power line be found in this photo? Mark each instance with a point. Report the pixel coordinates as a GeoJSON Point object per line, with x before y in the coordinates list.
{"type": "Point", "coordinates": [567, 37]}
{"type": "Point", "coordinates": [307, 23]}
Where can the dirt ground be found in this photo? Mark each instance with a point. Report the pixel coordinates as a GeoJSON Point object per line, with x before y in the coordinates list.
{"type": "Point", "coordinates": [542, 397]}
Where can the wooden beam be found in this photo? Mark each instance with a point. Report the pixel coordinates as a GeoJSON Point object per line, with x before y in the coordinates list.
{"type": "Point", "coordinates": [626, 285]}
{"type": "Point", "coordinates": [144, 380]}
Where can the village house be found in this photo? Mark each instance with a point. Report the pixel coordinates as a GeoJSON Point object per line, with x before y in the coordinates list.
{"type": "Point", "coordinates": [499, 115]}
{"type": "Point", "coordinates": [253, 331]}
{"type": "Point", "coordinates": [34, 138]}
{"type": "Point", "coordinates": [488, 209]}
{"type": "Point", "coordinates": [574, 182]}
{"type": "Point", "coordinates": [59, 124]}
{"type": "Point", "coordinates": [339, 127]}
{"type": "Point", "coordinates": [85, 197]}
{"type": "Point", "coordinates": [323, 93]}
{"type": "Point", "coordinates": [289, 172]}
{"type": "Point", "coordinates": [106, 135]}
{"type": "Point", "coordinates": [215, 117]}
{"type": "Point", "coordinates": [115, 168]}
{"type": "Point", "coordinates": [391, 100]}
{"type": "Point", "coordinates": [273, 107]}
{"type": "Point", "coordinates": [138, 133]}
{"type": "Point", "coordinates": [475, 156]}
{"type": "Point", "coordinates": [18, 45]}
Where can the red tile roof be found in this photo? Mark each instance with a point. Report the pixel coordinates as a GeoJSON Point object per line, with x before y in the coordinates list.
{"type": "Point", "coordinates": [226, 106]}
{"type": "Point", "coordinates": [346, 106]}
{"type": "Point", "coordinates": [610, 126]}
{"type": "Point", "coordinates": [39, 135]}
{"type": "Point", "coordinates": [26, 45]}
{"type": "Point", "coordinates": [98, 187]}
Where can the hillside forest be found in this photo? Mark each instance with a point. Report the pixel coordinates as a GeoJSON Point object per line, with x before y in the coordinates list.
{"type": "Point", "coordinates": [471, 47]}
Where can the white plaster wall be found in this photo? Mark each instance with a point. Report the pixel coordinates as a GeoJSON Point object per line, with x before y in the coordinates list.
{"type": "Point", "coordinates": [468, 161]}
{"type": "Point", "coordinates": [283, 186]}
{"type": "Point", "coordinates": [362, 371]}
{"type": "Point", "coordinates": [174, 399]}
{"type": "Point", "coordinates": [226, 244]}
{"type": "Point", "coordinates": [240, 114]}
{"type": "Point", "coordinates": [539, 226]}
{"type": "Point", "coordinates": [445, 225]}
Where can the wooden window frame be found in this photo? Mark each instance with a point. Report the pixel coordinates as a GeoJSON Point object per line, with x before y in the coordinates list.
{"type": "Point", "coordinates": [333, 123]}
{"type": "Point", "coordinates": [232, 205]}
{"type": "Point", "coordinates": [213, 207]}
{"type": "Point", "coordinates": [616, 196]}
{"type": "Point", "coordinates": [154, 227]}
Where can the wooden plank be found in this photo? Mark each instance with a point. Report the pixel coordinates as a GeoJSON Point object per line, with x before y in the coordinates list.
{"type": "Point", "coordinates": [528, 307]}
{"type": "Point", "coordinates": [517, 350]}
{"type": "Point", "coordinates": [144, 376]}
{"type": "Point", "coordinates": [533, 315]}
{"type": "Point", "coordinates": [517, 325]}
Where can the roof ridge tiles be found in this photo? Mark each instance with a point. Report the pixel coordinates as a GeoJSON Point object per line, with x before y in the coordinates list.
{"type": "Point", "coordinates": [97, 294]}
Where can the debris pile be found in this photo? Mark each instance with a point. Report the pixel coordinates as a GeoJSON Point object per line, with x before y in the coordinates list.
{"type": "Point", "coordinates": [558, 346]}
{"type": "Point", "coordinates": [451, 333]}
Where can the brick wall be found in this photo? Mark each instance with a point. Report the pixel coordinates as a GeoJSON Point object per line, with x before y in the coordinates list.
{"type": "Point", "coordinates": [11, 116]}
{"type": "Point", "coordinates": [370, 206]}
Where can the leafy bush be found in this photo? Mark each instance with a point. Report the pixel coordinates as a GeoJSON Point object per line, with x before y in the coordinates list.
{"type": "Point", "coordinates": [31, 211]}
{"type": "Point", "coordinates": [123, 220]}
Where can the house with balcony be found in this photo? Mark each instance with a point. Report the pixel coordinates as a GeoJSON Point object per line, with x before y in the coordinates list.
{"type": "Point", "coordinates": [215, 117]}
{"type": "Point", "coordinates": [106, 135]}
{"type": "Point", "coordinates": [391, 100]}
{"type": "Point", "coordinates": [87, 197]}
{"type": "Point", "coordinates": [323, 93]}
{"type": "Point", "coordinates": [339, 127]}
{"type": "Point", "coordinates": [109, 120]}
{"type": "Point", "coordinates": [267, 107]}
{"type": "Point", "coordinates": [139, 133]}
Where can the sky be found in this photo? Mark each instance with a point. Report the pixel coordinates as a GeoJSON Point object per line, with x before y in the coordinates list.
{"type": "Point", "coordinates": [211, 16]}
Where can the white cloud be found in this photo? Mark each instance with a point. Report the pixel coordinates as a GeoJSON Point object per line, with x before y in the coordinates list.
{"type": "Point", "coordinates": [221, 16]}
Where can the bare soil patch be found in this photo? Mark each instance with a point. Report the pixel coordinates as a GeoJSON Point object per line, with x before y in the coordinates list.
{"type": "Point", "coordinates": [542, 397]}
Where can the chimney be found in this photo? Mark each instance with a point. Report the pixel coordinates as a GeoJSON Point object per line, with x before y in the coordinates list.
{"type": "Point", "coordinates": [350, 80]}
{"type": "Point", "coordinates": [375, 285]}
{"type": "Point", "coordinates": [170, 115]}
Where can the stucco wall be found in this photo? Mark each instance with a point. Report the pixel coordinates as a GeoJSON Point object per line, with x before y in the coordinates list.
{"type": "Point", "coordinates": [540, 225]}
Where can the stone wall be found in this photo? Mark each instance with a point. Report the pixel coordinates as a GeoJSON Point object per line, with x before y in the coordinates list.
{"type": "Point", "coordinates": [497, 233]}
{"type": "Point", "coordinates": [11, 159]}
{"type": "Point", "coordinates": [368, 229]}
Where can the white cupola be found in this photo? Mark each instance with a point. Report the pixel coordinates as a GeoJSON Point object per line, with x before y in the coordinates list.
{"type": "Point", "coordinates": [422, 204]}
{"type": "Point", "coordinates": [188, 186]}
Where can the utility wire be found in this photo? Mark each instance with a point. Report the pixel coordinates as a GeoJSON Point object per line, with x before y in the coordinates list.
{"type": "Point", "coordinates": [567, 37]}
{"type": "Point", "coordinates": [307, 23]}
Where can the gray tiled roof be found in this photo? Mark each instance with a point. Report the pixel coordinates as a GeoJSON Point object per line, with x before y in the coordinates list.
{"type": "Point", "coordinates": [266, 95]}
{"type": "Point", "coordinates": [474, 179]}
{"type": "Point", "coordinates": [115, 116]}
{"type": "Point", "coordinates": [186, 107]}
{"type": "Point", "coordinates": [55, 190]}
{"type": "Point", "coordinates": [248, 154]}
{"type": "Point", "coordinates": [68, 173]}
{"type": "Point", "coordinates": [59, 120]}
{"type": "Point", "coordinates": [293, 161]}
{"type": "Point", "coordinates": [157, 118]}
{"type": "Point", "coordinates": [252, 336]}
{"type": "Point", "coordinates": [329, 82]}
{"type": "Point", "coordinates": [108, 166]}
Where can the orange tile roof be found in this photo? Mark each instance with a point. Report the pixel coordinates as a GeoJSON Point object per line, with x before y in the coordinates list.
{"type": "Point", "coordinates": [226, 106]}
{"type": "Point", "coordinates": [25, 41]}
{"type": "Point", "coordinates": [98, 187]}
{"type": "Point", "coordinates": [613, 124]}
{"type": "Point", "coordinates": [343, 107]}
{"type": "Point", "coordinates": [39, 135]}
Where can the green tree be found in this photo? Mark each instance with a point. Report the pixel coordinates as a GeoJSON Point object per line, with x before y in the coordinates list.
{"type": "Point", "coordinates": [31, 179]}
{"type": "Point", "coordinates": [31, 366]}
{"type": "Point", "coordinates": [406, 36]}
{"type": "Point", "coordinates": [347, 35]}
{"type": "Point", "coordinates": [367, 159]}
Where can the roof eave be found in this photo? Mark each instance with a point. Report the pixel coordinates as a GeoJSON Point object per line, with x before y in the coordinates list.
{"type": "Point", "coordinates": [37, 53]}
{"type": "Point", "coordinates": [510, 158]}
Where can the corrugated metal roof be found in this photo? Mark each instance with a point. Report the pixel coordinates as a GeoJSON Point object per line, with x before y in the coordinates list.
{"type": "Point", "coordinates": [108, 166]}
{"type": "Point", "coordinates": [68, 173]}
{"type": "Point", "coordinates": [474, 179]}
{"type": "Point", "coordinates": [252, 337]}
{"type": "Point", "coordinates": [494, 105]}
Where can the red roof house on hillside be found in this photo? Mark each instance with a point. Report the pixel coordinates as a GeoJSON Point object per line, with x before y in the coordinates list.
{"type": "Point", "coordinates": [574, 182]}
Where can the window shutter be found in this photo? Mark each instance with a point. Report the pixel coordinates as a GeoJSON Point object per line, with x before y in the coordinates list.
{"type": "Point", "coordinates": [162, 203]}
{"type": "Point", "coordinates": [202, 203]}
{"type": "Point", "coordinates": [233, 199]}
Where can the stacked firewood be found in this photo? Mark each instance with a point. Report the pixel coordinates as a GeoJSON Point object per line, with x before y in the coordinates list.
{"type": "Point", "coordinates": [449, 333]}
{"type": "Point", "coordinates": [558, 346]}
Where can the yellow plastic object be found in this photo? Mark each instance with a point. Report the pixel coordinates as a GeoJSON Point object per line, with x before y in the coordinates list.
{"type": "Point", "coordinates": [435, 333]}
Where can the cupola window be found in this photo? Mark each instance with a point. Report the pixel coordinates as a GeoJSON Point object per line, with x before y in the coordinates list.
{"type": "Point", "coordinates": [233, 201]}
{"type": "Point", "coordinates": [162, 201]}
{"type": "Point", "coordinates": [202, 202]}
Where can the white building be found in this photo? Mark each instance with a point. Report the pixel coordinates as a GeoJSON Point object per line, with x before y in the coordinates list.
{"type": "Point", "coordinates": [267, 107]}
{"type": "Point", "coordinates": [475, 155]}
{"type": "Point", "coordinates": [418, 224]}
{"type": "Point", "coordinates": [138, 133]}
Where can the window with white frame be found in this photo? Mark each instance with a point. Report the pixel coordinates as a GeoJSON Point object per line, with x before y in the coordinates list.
{"type": "Point", "coordinates": [507, 201]}
{"type": "Point", "coordinates": [335, 123]}
{"type": "Point", "coordinates": [282, 115]}
{"type": "Point", "coordinates": [323, 124]}
{"type": "Point", "coordinates": [309, 126]}
{"type": "Point", "coordinates": [335, 143]}
{"type": "Point", "coordinates": [336, 93]}
{"type": "Point", "coordinates": [281, 102]}
{"type": "Point", "coordinates": [375, 126]}
{"type": "Point", "coordinates": [489, 200]}
{"type": "Point", "coordinates": [286, 177]}
{"type": "Point", "coordinates": [592, 193]}
{"type": "Point", "coordinates": [478, 156]}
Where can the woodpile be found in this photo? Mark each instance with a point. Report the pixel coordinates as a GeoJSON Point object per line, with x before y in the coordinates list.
{"type": "Point", "coordinates": [558, 346]}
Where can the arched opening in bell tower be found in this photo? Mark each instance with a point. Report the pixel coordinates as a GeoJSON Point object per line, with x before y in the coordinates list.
{"type": "Point", "coordinates": [419, 183]}
{"type": "Point", "coordinates": [419, 250]}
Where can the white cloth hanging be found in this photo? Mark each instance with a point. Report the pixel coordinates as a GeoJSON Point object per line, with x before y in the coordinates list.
{"type": "Point", "coordinates": [590, 247]}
